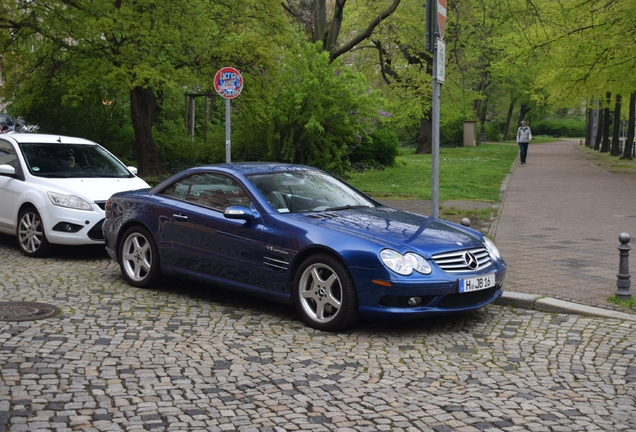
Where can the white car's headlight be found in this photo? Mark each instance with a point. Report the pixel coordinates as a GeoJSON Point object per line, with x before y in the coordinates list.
{"type": "Point", "coordinates": [404, 264]}
{"type": "Point", "coordinates": [69, 201]}
{"type": "Point", "coordinates": [491, 248]}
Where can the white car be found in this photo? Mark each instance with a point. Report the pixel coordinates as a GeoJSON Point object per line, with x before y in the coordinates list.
{"type": "Point", "coordinates": [53, 189]}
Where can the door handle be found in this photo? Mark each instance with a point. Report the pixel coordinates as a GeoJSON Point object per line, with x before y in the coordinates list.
{"type": "Point", "coordinates": [180, 217]}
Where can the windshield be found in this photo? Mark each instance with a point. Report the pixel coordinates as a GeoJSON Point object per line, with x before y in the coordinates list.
{"type": "Point", "coordinates": [303, 191]}
{"type": "Point", "coordinates": [71, 160]}
{"type": "Point", "coordinates": [6, 120]}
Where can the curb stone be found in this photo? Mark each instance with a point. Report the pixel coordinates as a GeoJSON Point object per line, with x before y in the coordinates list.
{"type": "Point", "coordinates": [550, 305]}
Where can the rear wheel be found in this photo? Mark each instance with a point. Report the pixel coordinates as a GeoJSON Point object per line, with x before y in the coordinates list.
{"type": "Point", "coordinates": [139, 257]}
{"type": "Point", "coordinates": [324, 293]}
{"type": "Point", "coordinates": [31, 236]}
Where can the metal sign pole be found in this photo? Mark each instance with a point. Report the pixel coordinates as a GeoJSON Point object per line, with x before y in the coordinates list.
{"type": "Point", "coordinates": [228, 82]}
{"type": "Point", "coordinates": [435, 106]}
{"type": "Point", "coordinates": [438, 26]}
{"type": "Point", "coordinates": [228, 143]}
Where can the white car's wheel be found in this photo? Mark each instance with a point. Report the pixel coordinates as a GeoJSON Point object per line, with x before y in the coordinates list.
{"type": "Point", "coordinates": [139, 257]}
{"type": "Point", "coordinates": [31, 236]}
{"type": "Point", "coordinates": [325, 294]}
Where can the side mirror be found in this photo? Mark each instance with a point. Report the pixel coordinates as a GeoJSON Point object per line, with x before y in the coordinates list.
{"type": "Point", "coordinates": [7, 170]}
{"type": "Point", "coordinates": [242, 213]}
{"type": "Point", "coordinates": [132, 169]}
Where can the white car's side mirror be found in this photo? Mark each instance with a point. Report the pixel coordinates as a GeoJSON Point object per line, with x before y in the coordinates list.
{"type": "Point", "coordinates": [7, 170]}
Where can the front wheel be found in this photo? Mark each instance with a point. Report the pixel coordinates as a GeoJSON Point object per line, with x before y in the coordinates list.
{"type": "Point", "coordinates": [324, 293]}
{"type": "Point", "coordinates": [31, 236]}
{"type": "Point", "coordinates": [139, 258]}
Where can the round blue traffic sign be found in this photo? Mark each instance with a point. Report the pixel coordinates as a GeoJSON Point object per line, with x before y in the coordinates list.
{"type": "Point", "coordinates": [228, 82]}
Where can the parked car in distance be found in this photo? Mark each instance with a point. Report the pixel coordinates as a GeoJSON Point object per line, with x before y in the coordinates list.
{"type": "Point", "coordinates": [297, 235]}
{"type": "Point", "coordinates": [53, 189]}
{"type": "Point", "coordinates": [8, 124]}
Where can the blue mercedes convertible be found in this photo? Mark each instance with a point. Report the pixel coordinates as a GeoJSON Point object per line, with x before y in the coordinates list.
{"type": "Point", "coordinates": [297, 235]}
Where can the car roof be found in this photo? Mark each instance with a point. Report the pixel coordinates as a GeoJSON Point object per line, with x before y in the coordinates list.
{"type": "Point", "coordinates": [46, 138]}
{"type": "Point", "coordinates": [244, 169]}
{"type": "Point", "coordinates": [251, 168]}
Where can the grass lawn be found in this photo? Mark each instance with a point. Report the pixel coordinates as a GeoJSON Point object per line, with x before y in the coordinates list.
{"type": "Point", "coordinates": [465, 173]}
{"type": "Point", "coordinates": [613, 164]}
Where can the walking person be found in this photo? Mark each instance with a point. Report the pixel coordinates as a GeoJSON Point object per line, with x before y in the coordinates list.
{"type": "Point", "coordinates": [524, 135]}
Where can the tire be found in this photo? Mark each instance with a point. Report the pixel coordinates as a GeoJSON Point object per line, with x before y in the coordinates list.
{"type": "Point", "coordinates": [139, 258]}
{"type": "Point", "coordinates": [324, 293]}
{"type": "Point", "coordinates": [30, 232]}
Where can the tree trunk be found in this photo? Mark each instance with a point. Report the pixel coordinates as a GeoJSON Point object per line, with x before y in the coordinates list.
{"type": "Point", "coordinates": [588, 127]}
{"type": "Point", "coordinates": [616, 151]}
{"type": "Point", "coordinates": [629, 142]}
{"type": "Point", "coordinates": [320, 21]}
{"type": "Point", "coordinates": [481, 88]}
{"type": "Point", "coordinates": [424, 138]}
{"type": "Point", "coordinates": [143, 103]}
{"type": "Point", "coordinates": [482, 117]}
{"type": "Point", "coordinates": [599, 128]}
{"type": "Point", "coordinates": [506, 130]}
{"type": "Point", "coordinates": [522, 113]}
{"type": "Point", "coordinates": [605, 147]}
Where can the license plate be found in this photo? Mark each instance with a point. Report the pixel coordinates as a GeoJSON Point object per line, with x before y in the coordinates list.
{"type": "Point", "coordinates": [477, 283]}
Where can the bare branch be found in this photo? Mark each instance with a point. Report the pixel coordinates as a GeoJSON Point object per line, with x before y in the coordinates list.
{"type": "Point", "coordinates": [337, 52]}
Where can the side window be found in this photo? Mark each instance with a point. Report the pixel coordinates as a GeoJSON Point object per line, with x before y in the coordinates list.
{"type": "Point", "coordinates": [8, 155]}
{"type": "Point", "coordinates": [212, 190]}
{"type": "Point", "coordinates": [178, 190]}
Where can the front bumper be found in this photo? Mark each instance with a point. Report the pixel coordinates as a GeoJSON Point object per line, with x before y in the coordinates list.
{"type": "Point", "coordinates": [422, 296]}
{"type": "Point", "coordinates": [71, 226]}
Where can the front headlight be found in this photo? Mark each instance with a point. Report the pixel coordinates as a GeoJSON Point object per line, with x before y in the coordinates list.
{"type": "Point", "coordinates": [404, 264]}
{"type": "Point", "coordinates": [491, 248]}
{"type": "Point", "coordinates": [69, 201]}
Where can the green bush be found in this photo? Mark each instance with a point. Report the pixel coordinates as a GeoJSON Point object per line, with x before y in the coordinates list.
{"type": "Point", "coordinates": [567, 127]}
{"type": "Point", "coordinates": [451, 134]}
{"type": "Point", "coordinates": [319, 111]}
{"type": "Point", "coordinates": [179, 151]}
{"type": "Point", "coordinates": [380, 147]}
{"type": "Point", "coordinates": [493, 131]}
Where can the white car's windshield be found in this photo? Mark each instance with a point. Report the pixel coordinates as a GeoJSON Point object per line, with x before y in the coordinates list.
{"type": "Point", "coordinates": [71, 160]}
{"type": "Point", "coordinates": [302, 191]}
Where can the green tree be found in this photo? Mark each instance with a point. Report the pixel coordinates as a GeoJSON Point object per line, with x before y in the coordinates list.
{"type": "Point", "coordinates": [586, 40]}
{"type": "Point", "coordinates": [322, 110]}
{"type": "Point", "coordinates": [139, 46]}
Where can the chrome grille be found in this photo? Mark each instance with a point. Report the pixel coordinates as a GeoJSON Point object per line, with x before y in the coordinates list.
{"type": "Point", "coordinates": [458, 261]}
{"type": "Point", "coordinates": [276, 264]}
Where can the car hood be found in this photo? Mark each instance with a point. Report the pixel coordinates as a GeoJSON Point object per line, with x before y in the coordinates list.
{"type": "Point", "coordinates": [396, 228]}
{"type": "Point", "coordinates": [94, 189]}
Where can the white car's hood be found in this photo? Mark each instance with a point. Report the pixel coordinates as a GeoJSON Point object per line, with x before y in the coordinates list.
{"type": "Point", "coordinates": [92, 189]}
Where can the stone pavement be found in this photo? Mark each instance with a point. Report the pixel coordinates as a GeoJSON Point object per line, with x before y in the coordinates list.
{"type": "Point", "coordinates": [189, 357]}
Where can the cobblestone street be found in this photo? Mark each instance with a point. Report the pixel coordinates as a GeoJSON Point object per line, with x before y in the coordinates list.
{"type": "Point", "coordinates": [192, 357]}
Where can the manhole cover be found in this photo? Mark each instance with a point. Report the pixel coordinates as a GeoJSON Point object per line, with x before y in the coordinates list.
{"type": "Point", "coordinates": [26, 311]}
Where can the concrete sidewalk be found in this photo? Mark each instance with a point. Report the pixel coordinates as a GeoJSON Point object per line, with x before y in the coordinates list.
{"type": "Point", "coordinates": [558, 229]}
